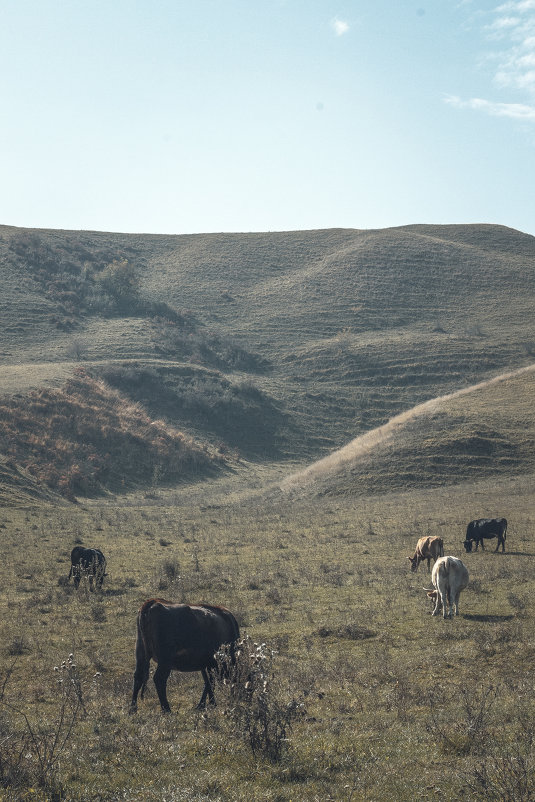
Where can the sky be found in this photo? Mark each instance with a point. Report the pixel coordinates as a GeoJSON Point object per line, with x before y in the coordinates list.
{"type": "Point", "coordinates": [193, 116]}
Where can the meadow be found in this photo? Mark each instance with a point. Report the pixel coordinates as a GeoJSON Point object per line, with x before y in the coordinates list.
{"type": "Point", "coordinates": [367, 696]}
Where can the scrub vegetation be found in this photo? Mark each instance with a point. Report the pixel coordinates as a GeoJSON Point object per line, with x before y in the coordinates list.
{"type": "Point", "coordinates": [364, 695]}
{"type": "Point", "coordinates": [175, 412]}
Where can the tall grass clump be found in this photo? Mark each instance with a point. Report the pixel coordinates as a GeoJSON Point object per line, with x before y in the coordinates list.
{"type": "Point", "coordinates": [34, 744]}
{"type": "Point", "coordinates": [256, 708]}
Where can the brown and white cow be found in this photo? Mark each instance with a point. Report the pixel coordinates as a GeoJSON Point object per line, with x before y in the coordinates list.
{"type": "Point", "coordinates": [449, 577]}
{"type": "Point", "coordinates": [428, 548]}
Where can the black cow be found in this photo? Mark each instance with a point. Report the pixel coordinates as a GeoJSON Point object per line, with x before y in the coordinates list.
{"type": "Point", "coordinates": [183, 637]}
{"type": "Point", "coordinates": [484, 528]}
{"type": "Point", "coordinates": [87, 562]}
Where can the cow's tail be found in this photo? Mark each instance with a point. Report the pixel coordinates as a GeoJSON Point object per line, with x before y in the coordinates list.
{"type": "Point", "coordinates": [441, 548]}
{"type": "Point", "coordinates": [446, 565]}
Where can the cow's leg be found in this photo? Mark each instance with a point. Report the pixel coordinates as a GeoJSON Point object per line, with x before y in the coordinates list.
{"type": "Point", "coordinates": [76, 580]}
{"type": "Point", "coordinates": [91, 581]}
{"type": "Point", "coordinates": [208, 690]}
{"type": "Point", "coordinates": [438, 601]}
{"type": "Point", "coordinates": [456, 602]}
{"type": "Point", "coordinates": [141, 675]}
{"type": "Point", "coordinates": [442, 597]}
{"type": "Point", "coordinates": [428, 565]}
{"type": "Point", "coordinates": [161, 675]}
{"type": "Point", "coordinates": [482, 545]}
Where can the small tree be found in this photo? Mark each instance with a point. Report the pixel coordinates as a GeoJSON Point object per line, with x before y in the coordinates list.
{"type": "Point", "coordinates": [121, 281]}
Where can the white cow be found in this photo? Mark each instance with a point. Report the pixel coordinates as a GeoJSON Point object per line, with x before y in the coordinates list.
{"type": "Point", "coordinates": [449, 577]}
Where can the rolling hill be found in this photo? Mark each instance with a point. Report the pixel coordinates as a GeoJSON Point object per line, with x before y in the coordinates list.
{"type": "Point", "coordinates": [274, 348]}
{"type": "Point", "coordinates": [487, 430]}
{"type": "Point", "coordinates": [268, 422]}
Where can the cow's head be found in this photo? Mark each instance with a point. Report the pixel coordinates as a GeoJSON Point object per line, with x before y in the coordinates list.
{"type": "Point", "coordinates": [468, 545]}
{"type": "Point", "coordinates": [77, 553]}
{"type": "Point", "coordinates": [414, 562]}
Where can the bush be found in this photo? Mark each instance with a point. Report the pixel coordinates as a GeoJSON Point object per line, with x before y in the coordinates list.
{"type": "Point", "coordinates": [256, 708]}
{"type": "Point", "coordinates": [32, 750]}
{"type": "Point", "coordinates": [121, 282]}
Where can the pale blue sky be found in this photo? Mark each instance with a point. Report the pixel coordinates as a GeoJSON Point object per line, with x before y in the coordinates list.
{"type": "Point", "coordinates": [169, 116]}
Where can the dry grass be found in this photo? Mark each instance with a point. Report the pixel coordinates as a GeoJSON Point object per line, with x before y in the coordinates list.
{"type": "Point", "coordinates": [326, 587]}
{"type": "Point", "coordinates": [86, 438]}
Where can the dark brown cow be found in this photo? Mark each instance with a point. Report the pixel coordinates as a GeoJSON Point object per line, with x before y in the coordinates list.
{"type": "Point", "coordinates": [427, 548]}
{"type": "Point", "coordinates": [477, 531]}
{"type": "Point", "coordinates": [184, 637]}
{"type": "Point", "coordinates": [87, 562]}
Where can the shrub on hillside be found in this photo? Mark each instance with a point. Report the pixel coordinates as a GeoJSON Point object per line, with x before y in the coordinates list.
{"type": "Point", "coordinates": [239, 414]}
{"type": "Point", "coordinates": [121, 282]}
{"type": "Point", "coordinates": [86, 437]}
{"type": "Point", "coordinates": [196, 345]}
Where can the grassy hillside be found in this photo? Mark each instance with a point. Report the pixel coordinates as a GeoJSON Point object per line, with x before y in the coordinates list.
{"type": "Point", "coordinates": [277, 346]}
{"type": "Point", "coordinates": [484, 431]}
{"type": "Point", "coordinates": [85, 438]}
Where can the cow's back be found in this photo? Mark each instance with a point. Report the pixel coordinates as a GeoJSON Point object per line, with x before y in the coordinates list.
{"type": "Point", "coordinates": [186, 636]}
{"type": "Point", "coordinates": [451, 570]}
{"type": "Point", "coordinates": [422, 545]}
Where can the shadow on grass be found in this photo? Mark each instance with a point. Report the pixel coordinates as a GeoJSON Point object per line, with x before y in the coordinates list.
{"type": "Point", "coordinates": [493, 619]}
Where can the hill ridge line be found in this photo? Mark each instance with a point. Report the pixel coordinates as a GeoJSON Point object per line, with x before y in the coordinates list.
{"type": "Point", "coordinates": [382, 434]}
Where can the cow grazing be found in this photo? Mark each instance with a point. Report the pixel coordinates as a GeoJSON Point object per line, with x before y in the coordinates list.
{"type": "Point", "coordinates": [449, 577]}
{"type": "Point", "coordinates": [88, 562]}
{"type": "Point", "coordinates": [485, 528]}
{"type": "Point", "coordinates": [427, 548]}
{"type": "Point", "coordinates": [183, 637]}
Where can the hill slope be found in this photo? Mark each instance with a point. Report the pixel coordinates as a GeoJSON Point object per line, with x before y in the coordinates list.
{"type": "Point", "coordinates": [487, 430]}
{"type": "Point", "coordinates": [282, 346]}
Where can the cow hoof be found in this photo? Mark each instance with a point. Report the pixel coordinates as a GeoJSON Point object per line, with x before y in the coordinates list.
{"type": "Point", "coordinates": [133, 709]}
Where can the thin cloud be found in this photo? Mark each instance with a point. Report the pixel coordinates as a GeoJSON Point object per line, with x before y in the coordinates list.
{"type": "Point", "coordinates": [518, 6]}
{"type": "Point", "coordinates": [339, 26]}
{"type": "Point", "coordinates": [517, 111]}
{"type": "Point", "coordinates": [512, 32]}
{"type": "Point", "coordinates": [503, 23]}
{"type": "Point", "coordinates": [516, 60]}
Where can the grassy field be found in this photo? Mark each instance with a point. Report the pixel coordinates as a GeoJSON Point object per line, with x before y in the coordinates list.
{"type": "Point", "coordinates": [186, 413]}
{"type": "Point", "coordinates": [389, 703]}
